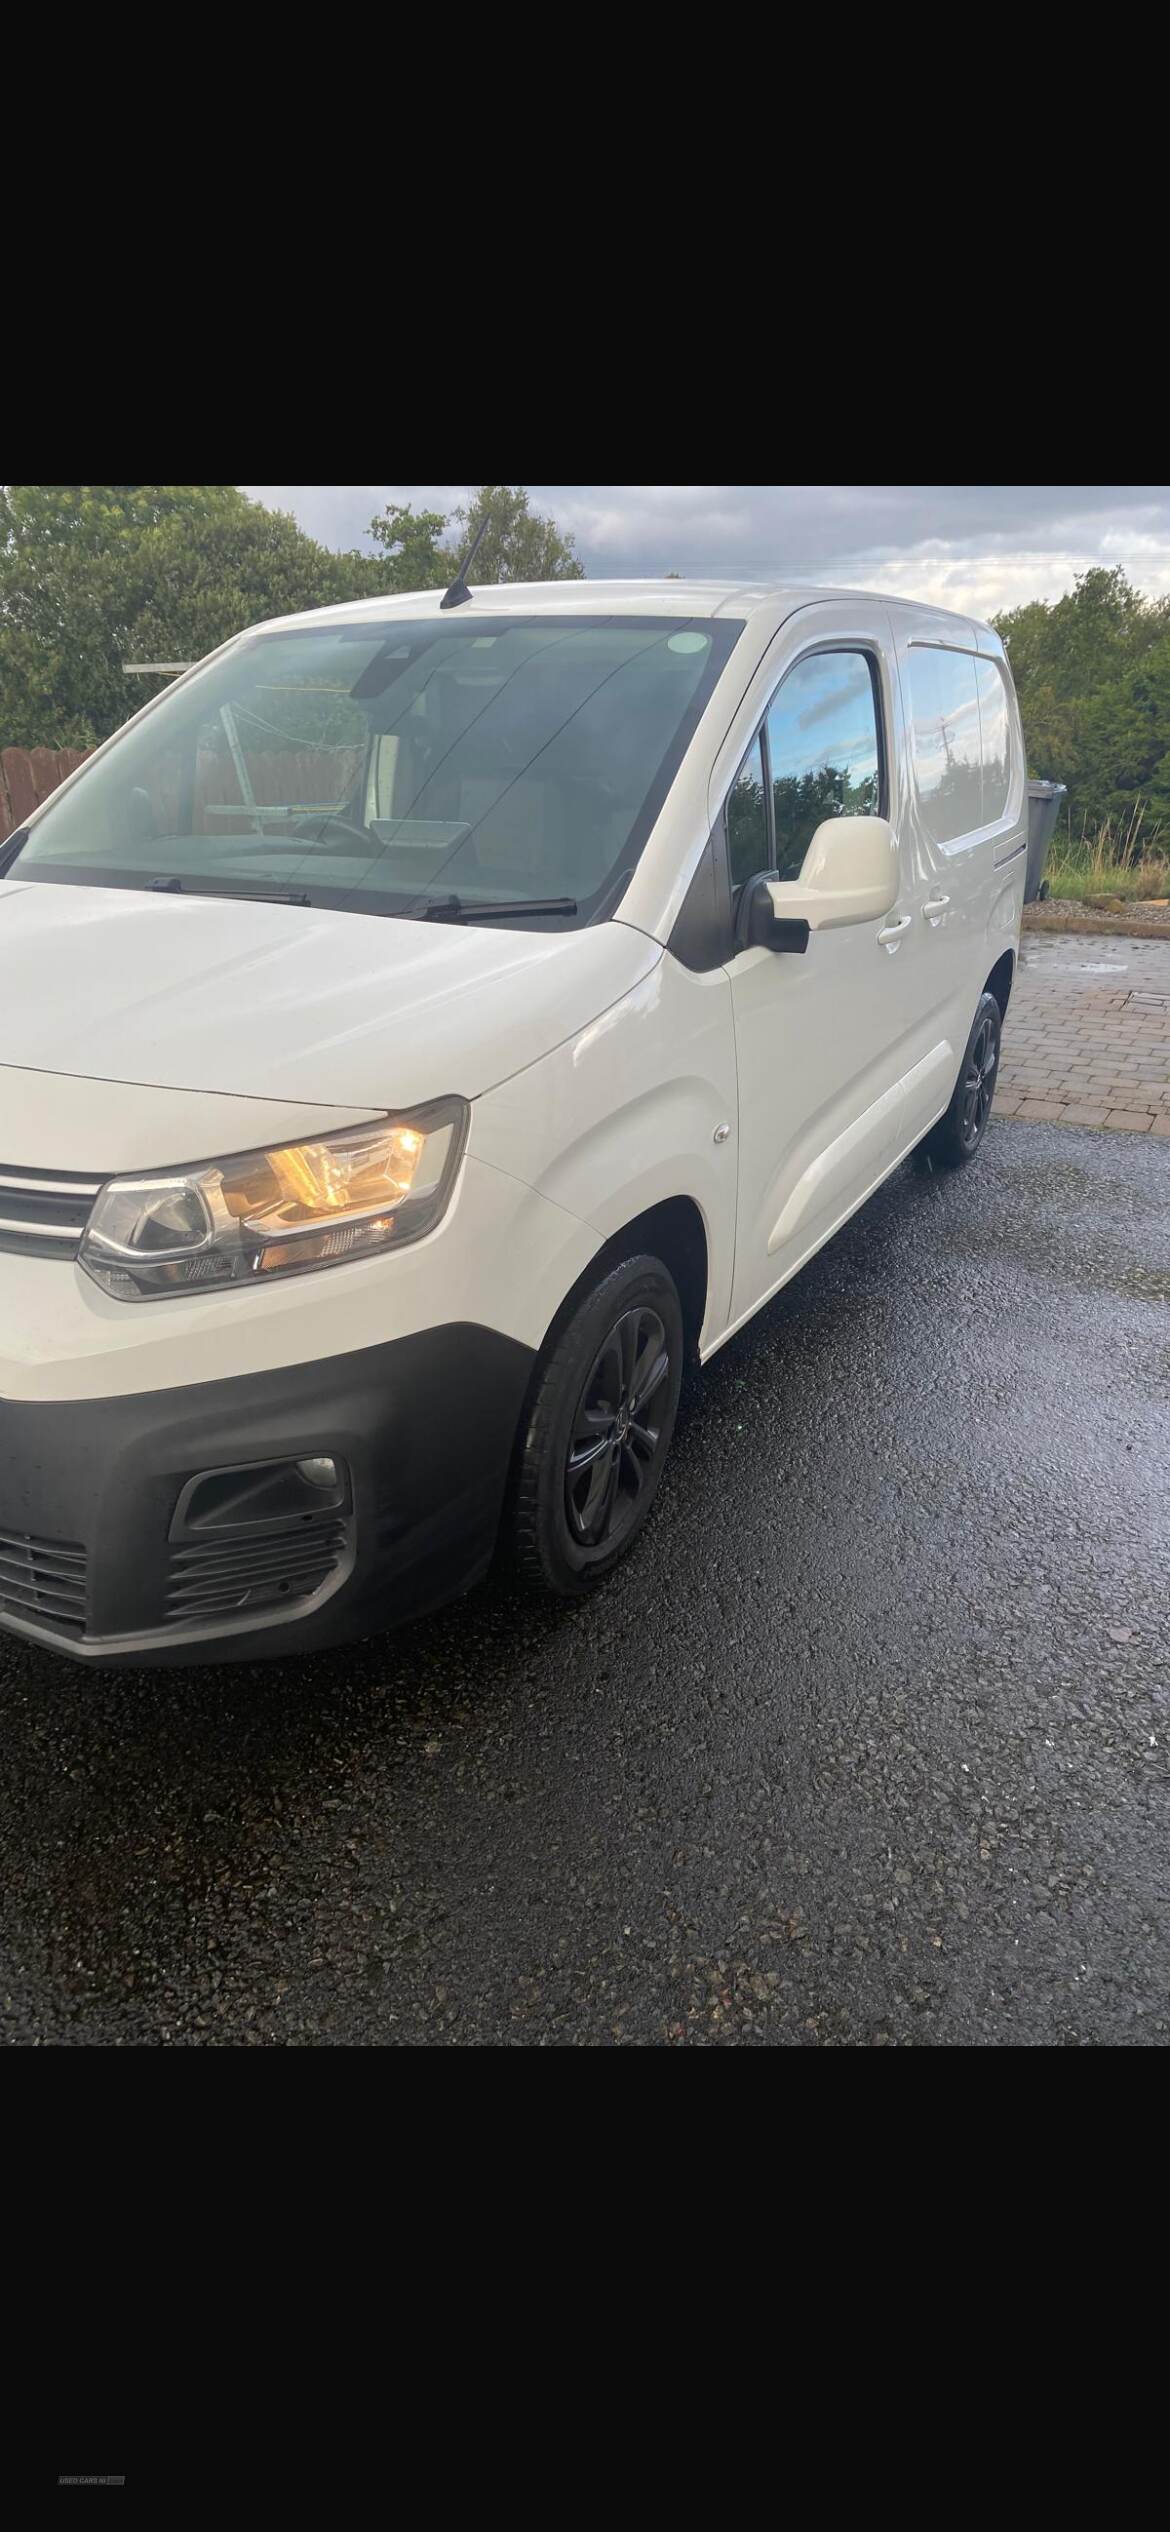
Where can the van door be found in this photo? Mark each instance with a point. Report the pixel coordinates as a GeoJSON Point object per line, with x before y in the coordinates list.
{"type": "Point", "coordinates": [832, 1046]}
{"type": "Point", "coordinates": [956, 709]}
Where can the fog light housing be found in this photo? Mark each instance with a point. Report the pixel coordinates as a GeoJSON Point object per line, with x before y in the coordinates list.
{"type": "Point", "coordinates": [261, 1494]}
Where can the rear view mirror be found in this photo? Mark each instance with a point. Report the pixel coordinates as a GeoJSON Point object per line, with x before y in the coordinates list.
{"type": "Point", "coordinates": [140, 825]}
{"type": "Point", "coordinates": [849, 875]}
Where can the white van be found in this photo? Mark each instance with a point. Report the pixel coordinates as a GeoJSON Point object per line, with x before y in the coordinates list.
{"type": "Point", "coordinates": [422, 1025]}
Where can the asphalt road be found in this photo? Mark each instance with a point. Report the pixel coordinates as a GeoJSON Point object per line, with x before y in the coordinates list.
{"type": "Point", "coordinates": [867, 1743]}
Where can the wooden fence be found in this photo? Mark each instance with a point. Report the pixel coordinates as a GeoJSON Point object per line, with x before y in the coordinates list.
{"type": "Point", "coordinates": [28, 775]}
{"type": "Point", "coordinates": [300, 777]}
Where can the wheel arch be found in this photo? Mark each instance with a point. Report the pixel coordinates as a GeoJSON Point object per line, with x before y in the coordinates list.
{"type": "Point", "coordinates": [675, 1231]}
{"type": "Point", "coordinates": [1001, 980]}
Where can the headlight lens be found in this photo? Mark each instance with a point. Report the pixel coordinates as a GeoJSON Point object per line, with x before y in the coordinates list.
{"type": "Point", "coordinates": [275, 1213]}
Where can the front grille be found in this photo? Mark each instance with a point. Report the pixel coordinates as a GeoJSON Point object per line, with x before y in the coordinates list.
{"type": "Point", "coordinates": [42, 1216]}
{"type": "Point", "coordinates": [222, 1577]}
{"type": "Point", "coordinates": [42, 1580]}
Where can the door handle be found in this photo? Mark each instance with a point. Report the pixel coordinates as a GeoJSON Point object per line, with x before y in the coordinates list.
{"type": "Point", "coordinates": [935, 906]}
{"type": "Point", "coordinates": [891, 933]}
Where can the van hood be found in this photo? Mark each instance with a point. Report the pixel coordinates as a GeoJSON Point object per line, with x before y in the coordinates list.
{"type": "Point", "coordinates": [291, 1003]}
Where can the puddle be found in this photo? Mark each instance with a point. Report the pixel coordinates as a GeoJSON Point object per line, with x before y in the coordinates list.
{"type": "Point", "coordinates": [1083, 967]}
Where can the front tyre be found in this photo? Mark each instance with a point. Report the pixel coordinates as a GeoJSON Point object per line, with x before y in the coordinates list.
{"type": "Point", "coordinates": [956, 1138]}
{"type": "Point", "coordinates": [598, 1429]}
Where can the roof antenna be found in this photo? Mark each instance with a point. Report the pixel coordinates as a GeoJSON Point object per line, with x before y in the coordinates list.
{"type": "Point", "coordinates": [459, 593]}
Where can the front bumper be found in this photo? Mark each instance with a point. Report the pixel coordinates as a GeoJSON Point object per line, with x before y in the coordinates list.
{"type": "Point", "coordinates": [91, 1561]}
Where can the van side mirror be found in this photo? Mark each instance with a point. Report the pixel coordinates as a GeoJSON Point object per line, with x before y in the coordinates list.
{"type": "Point", "coordinates": [849, 875]}
{"type": "Point", "coordinates": [757, 924]}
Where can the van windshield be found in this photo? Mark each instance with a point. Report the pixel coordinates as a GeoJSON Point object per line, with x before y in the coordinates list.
{"type": "Point", "coordinates": [400, 767]}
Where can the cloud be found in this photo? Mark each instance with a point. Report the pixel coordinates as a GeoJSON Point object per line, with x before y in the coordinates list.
{"type": "Point", "coordinates": [978, 547]}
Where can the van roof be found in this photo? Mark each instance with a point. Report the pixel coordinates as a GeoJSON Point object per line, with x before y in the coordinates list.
{"type": "Point", "coordinates": [737, 598]}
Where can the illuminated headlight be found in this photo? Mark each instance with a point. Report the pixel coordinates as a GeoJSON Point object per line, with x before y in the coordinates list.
{"type": "Point", "coordinates": [275, 1213]}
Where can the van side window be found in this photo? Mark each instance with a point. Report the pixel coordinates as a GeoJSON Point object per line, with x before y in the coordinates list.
{"type": "Point", "coordinates": [944, 740]}
{"type": "Point", "coordinates": [995, 727]}
{"type": "Point", "coordinates": [747, 820]}
{"type": "Point", "coordinates": [825, 749]}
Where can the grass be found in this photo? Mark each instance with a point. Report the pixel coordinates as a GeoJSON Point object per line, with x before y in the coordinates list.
{"type": "Point", "coordinates": [1119, 861]}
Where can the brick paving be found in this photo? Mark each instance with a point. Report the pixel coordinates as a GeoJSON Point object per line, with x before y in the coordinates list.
{"type": "Point", "coordinates": [1087, 1038]}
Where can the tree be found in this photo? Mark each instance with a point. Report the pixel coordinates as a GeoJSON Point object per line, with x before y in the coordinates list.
{"type": "Point", "coordinates": [1126, 745]}
{"type": "Point", "coordinates": [1094, 699]}
{"type": "Point", "coordinates": [1085, 639]}
{"type": "Point", "coordinates": [92, 575]}
{"type": "Point", "coordinates": [519, 544]}
{"type": "Point", "coordinates": [95, 575]}
{"type": "Point", "coordinates": [237, 571]}
{"type": "Point", "coordinates": [410, 542]}
{"type": "Point", "coordinates": [71, 583]}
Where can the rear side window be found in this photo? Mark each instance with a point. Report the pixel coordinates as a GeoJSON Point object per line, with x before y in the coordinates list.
{"type": "Point", "coordinates": [995, 732]}
{"type": "Point", "coordinates": [945, 743]}
{"type": "Point", "coordinates": [747, 820]}
{"type": "Point", "coordinates": [825, 750]}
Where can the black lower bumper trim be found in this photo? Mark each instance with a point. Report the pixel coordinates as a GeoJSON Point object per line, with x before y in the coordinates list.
{"type": "Point", "coordinates": [424, 1426]}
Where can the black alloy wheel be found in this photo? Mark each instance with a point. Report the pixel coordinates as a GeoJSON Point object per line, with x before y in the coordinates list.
{"type": "Point", "coordinates": [979, 1078]}
{"type": "Point", "coordinates": [959, 1134]}
{"type": "Point", "coordinates": [598, 1428]}
{"type": "Point", "coordinates": [617, 1429]}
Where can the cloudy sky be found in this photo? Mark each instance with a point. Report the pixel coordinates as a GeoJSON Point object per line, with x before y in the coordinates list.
{"type": "Point", "coordinates": [975, 546]}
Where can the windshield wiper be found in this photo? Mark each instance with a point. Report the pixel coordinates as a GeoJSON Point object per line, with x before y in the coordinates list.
{"type": "Point", "coordinates": [483, 910]}
{"type": "Point", "coordinates": [247, 896]}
